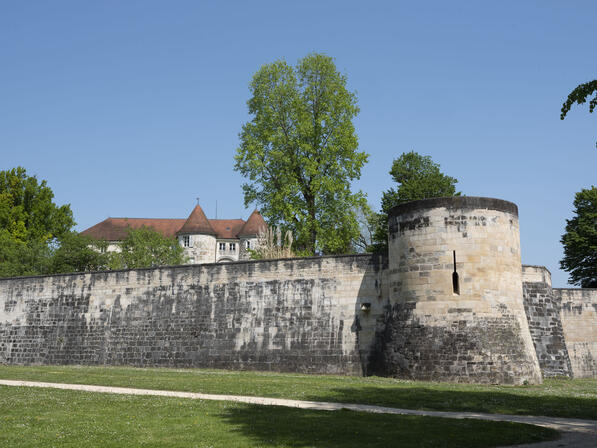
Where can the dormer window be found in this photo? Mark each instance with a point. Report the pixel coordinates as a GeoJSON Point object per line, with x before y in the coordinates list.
{"type": "Point", "coordinates": [186, 241]}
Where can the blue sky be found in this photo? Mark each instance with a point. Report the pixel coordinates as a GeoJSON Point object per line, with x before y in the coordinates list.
{"type": "Point", "coordinates": [134, 108]}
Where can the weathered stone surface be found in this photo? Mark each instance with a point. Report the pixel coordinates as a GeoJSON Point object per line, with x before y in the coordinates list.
{"type": "Point", "coordinates": [469, 329]}
{"type": "Point", "coordinates": [542, 309]}
{"type": "Point", "coordinates": [407, 316]}
{"type": "Point", "coordinates": [288, 315]}
{"type": "Point", "coordinates": [579, 322]}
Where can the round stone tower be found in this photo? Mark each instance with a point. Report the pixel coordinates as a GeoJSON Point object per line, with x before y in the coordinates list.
{"type": "Point", "coordinates": [457, 310]}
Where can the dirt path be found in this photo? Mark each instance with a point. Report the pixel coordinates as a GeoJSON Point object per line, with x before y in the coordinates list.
{"type": "Point", "coordinates": [575, 432]}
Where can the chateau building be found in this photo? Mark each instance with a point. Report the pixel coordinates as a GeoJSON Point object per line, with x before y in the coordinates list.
{"type": "Point", "coordinates": [204, 240]}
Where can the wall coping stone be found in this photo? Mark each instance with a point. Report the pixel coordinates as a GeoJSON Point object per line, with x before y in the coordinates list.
{"type": "Point", "coordinates": [239, 262]}
{"type": "Point", "coordinates": [456, 203]}
{"type": "Point", "coordinates": [537, 266]}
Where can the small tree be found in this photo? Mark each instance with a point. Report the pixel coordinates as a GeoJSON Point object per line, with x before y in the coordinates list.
{"type": "Point", "coordinates": [271, 245]}
{"type": "Point", "coordinates": [23, 258]}
{"type": "Point", "coordinates": [418, 177]}
{"type": "Point", "coordinates": [580, 240]}
{"type": "Point", "coordinates": [144, 248]}
{"type": "Point", "coordinates": [79, 253]}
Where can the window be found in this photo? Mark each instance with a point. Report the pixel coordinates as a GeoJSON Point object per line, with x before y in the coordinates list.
{"type": "Point", "coordinates": [186, 241]}
{"type": "Point", "coordinates": [248, 244]}
{"type": "Point", "coordinates": [232, 246]}
{"type": "Point", "coordinates": [222, 247]}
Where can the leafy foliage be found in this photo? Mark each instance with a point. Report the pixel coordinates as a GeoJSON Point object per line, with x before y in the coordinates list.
{"type": "Point", "coordinates": [79, 253]}
{"type": "Point", "coordinates": [27, 212]}
{"type": "Point", "coordinates": [19, 258]}
{"type": "Point", "coordinates": [36, 236]}
{"type": "Point", "coordinates": [579, 95]}
{"type": "Point", "coordinates": [418, 178]}
{"type": "Point", "coordinates": [580, 240]}
{"type": "Point", "coordinates": [144, 248]}
{"type": "Point", "coordinates": [300, 153]}
{"type": "Point", "coordinates": [30, 224]}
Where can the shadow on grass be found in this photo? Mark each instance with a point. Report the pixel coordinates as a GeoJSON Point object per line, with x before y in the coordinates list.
{"type": "Point", "coordinates": [278, 426]}
{"type": "Point", "coordinates": [499, 401]}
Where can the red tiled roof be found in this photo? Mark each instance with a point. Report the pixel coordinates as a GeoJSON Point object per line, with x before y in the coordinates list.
{"type": "Point", "coordinates": [116, 229]}
{"type": "Point", "coordinates": [197, 222]}
{"type": "Point", "coordinates": [253, 225]}
{"type": "Point", "coordinates": [227, 228]}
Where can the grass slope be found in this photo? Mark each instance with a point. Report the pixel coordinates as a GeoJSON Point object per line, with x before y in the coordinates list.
{"type": "Point", "coordinates": [558, 398]}
{"type": "Point", "coordinates": [34, 417]}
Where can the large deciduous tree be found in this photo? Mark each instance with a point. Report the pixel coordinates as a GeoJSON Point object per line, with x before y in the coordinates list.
{"type": "Point", "coordinates": [580, 240]}
{"type": "Point", "coordinates": [300, 153]}
{"type": "Point", "coordinates": [418, 177]}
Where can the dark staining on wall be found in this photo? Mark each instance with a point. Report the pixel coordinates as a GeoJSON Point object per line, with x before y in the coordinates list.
{"type": "Point", "coordinates": [461, 222]}
{"type": "Point", "coordinates": [578, 307]}
{"type": "Point", "coordinates": [396, 226]}
{"type": "Point", "coordinates": [190, 317]}
{"type": "Point", "coordinates": [414, 224]}
{"type": "Point", "coordinates": [456, 203]}
{"type": "Point", "coordinates": [543, 312]}
{"type": "Point", "coordinates": [482, 350]}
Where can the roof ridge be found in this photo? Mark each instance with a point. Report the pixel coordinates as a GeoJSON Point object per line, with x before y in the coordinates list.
{"type": "Point", "coordinates": [127, 217]}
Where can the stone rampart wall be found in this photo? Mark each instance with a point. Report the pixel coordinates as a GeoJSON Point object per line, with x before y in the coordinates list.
{"type": "Point", "coordinates": [301, 315]}
{"type": "Point", "coordinates": [579, 322]}
{"type": "Point", "coordinates": [542, 309]}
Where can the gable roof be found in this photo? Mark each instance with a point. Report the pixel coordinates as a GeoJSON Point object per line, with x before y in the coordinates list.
{"type": "Point", "coordinates": [116, 229]}
{"type": "Point", "coordinates": [254, 225]}
{"type": "Point", "coordinates": [197, 222]}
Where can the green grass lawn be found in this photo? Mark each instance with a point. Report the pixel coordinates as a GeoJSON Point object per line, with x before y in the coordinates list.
{"type": "Point", "coordinates": [37, 417]}
{"type": "Point", "coordinates": [555, 397]}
